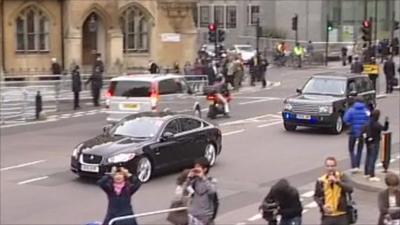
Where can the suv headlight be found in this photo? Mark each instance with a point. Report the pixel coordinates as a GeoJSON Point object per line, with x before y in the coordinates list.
{"type": "Point", "coordinates": [123, 157]}
{"type": "Point", "coordinates": [76, 150]}
{"type": "Point", "coordinates": [325, 109]}
{"type": "Point", "coordinates": [288, 107]}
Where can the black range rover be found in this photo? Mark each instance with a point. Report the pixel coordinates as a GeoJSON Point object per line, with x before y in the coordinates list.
{"type": "Point", "coordinates": [324, 99]}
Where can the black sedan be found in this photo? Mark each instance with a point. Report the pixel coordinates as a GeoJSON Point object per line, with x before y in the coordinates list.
{"type": "Point", "coordinates": [147, 144]}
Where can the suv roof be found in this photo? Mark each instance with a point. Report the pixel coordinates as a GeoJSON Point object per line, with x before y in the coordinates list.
{"type": "Point", "coordinates": [337, 75]}
{"type": "Point", "coordinates": [146, 77]}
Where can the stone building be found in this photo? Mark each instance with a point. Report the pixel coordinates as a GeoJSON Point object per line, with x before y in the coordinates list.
{"type": "Point", "coordinates": [126, 33]}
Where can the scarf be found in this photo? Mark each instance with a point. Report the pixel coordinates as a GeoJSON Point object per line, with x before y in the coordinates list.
{"type": "Point", "coordinates": [118, 187]}
{"type": "Point", "coordinates": [332, 194]}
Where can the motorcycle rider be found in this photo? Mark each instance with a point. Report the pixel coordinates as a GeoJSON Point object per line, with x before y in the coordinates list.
{"type": "Point", "coordinates": [220, 89]}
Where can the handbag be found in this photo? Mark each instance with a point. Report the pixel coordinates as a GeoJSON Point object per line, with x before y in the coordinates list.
{"type": "Point", "coordinates": [178, 217]}
{"type": "Point", "coordinates": [352, 212]}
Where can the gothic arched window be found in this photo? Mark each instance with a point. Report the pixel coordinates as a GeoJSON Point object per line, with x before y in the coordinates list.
{"type": "Point", "coordinates": [32, 29]}
{"type": "Point", "coordinates": [135, 28]}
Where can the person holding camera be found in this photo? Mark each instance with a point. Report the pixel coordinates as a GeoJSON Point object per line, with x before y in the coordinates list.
{"type": "Point", "coordinates": [119, 187]}
{"type": "Point", "coordinates": [330, 195]}
{"type": "Point", "coordinates": [284, 200]}
{"type": "Point", "coordinates": [373, 139]}
{"type": "Point", "coordinates": [203, 207]}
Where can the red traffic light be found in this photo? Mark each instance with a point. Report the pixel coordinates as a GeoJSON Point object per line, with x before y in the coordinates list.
{"type": "Point", "coordinates": [212, 27]}
{"type": "Point", "coordinates": [366, 24]}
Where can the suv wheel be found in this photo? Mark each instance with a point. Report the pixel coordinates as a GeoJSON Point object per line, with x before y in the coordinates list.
{"type": "Point", "coordinates": [337, 127]}
{"type": "Point", "coordinates": [289, 127]}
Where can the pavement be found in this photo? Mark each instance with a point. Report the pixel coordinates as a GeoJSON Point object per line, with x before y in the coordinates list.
{"type": "Point", "coordinates": [37, 186]}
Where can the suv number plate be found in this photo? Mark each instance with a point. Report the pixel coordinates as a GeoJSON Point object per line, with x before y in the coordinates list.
{"type": "Point", "coordinates": [303, 117]}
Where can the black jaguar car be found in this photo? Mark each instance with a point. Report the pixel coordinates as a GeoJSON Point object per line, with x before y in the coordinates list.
{"type": "Point", "coordinates": [324, 99]}
{"type": "Point", "coordinates": [148, 143]}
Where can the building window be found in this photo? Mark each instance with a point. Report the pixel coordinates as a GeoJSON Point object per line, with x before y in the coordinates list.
{"type": "Point", "coordinates": [135, 29]}
{"type": "Point", "coordinates": [219, 17]}
{"type": "Point", "coordinates": [253, 13]}
{"type": "Point", "coordinates": [32, 30]}
{"type": "Point", "coordinates": [231, 16]}
{"type": "Point", "coordinates": [204, 16]}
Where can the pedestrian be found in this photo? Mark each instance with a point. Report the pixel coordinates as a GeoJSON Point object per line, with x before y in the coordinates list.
{"type": "Point", "coordinates": [187, 68]}
{"type": "Point", "coordinates": [203, 207]}
{"type": "Point", "coordinates": [385, 50]}
{"type": "Point", "coordinates": [373, 76]}
{"type": "Point", "coordinates": [230, 71]}
{"type": "Point", "coordinates": [153, 67]}
{"type": "Point", "coordinates": [395, 46]}
{"type": "Point", "coordinates": [357, 66]}
{"type": "Point", "coordinates": [176, 68]}
{"type": "Point", "coordinates": [96, 80]}
{"type": "Point", "coordinates": [373, 137]}
{"type": "Point", "coordinates": [344, 55]}
{"type": "Point", "coordinates": [298, 53]}
{"type": "Point", "coordinates": [253, 62]}
{"type": "Point", "coordinates": [310, 50]}
{"type": "Point", "coordinates": [263, 70]}
{"type": "Point", "coordinates": [331, 191]}
{"type": "Point", "coordinates": [389, 201]}
{"type": "Point", "coordinates": [389, 68]}
{"type": "Point", "coordinates": [212, 72]}
{"type": "Point", "coordinates": [76, 85]}
{"type": "Point", "coordinates": [181, 199]}
{"type": "Point", "coordinates": [119, 187]}
{"type": "Point", "coordinates": [288, 203]}
{"type": "Point", "coordinates": [55, 69]}
{"type": "Point", "coordinates": [357, 116]}
{"type": "Point", "coordinates": [238, 73]}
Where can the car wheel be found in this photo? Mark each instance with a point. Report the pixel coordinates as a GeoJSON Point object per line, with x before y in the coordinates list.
{"type": "Point", "coordinates": [338, 126]}
{"type": "Point", "coordinates": [144, 169]}
{"type": "Point", "coordinates": [210, 153]}
{"type": "Point", "coordinates": [289, 127]}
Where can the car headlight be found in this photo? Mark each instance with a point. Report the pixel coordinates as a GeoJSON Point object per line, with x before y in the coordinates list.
{"type": "Point", "coordinates": [325, 109]}
{"type": "Point", "coordinates": [123, 157]}
{"type": "Point", "coordinates": [288, 107]}
{"type": "Point", "coordinates": [76, 150]}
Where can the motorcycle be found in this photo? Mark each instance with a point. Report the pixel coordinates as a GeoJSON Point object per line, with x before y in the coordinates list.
{"type": "Point", "coordinates": [216, 106]}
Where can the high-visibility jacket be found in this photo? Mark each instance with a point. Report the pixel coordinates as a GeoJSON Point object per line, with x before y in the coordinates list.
{"type": "Point", "coordinates": [298, 51]}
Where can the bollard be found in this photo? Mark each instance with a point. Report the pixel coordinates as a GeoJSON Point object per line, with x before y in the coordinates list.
{"type": "Point", "coordinates": [38, 105]}
{"type": "Point", "coordinates": [386, 150]}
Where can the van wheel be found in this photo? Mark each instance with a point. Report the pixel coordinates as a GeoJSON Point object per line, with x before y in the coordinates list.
{"type": "Point", "coordinates": [289, 127]}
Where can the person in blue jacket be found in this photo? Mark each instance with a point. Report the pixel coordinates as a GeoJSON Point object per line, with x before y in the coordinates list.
{"type": "Point", "coordinates": [357, 117]}
{"type": "Point", "coordinates": [119, 186]}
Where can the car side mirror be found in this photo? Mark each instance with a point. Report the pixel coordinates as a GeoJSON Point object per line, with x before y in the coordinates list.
{"type": "Point", "coordinates": [353, 93]}
{"type": "Point", "coordinates": [107, 129]}
{"type": "Point", "coordinates": [298, 90]}
{"type": "Point", "coordinates": [166, 136]}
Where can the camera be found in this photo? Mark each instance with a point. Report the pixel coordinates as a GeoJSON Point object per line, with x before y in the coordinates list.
{"type": "Point", "coordinates": [269, 209]}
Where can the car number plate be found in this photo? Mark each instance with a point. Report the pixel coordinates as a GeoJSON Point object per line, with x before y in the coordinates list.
{"type": "Point", "coordinates": [131, 106]}
{"type": "Point", "coordinates": [303, 117]}
{"type": "Point", "coordinates": [90, 168]}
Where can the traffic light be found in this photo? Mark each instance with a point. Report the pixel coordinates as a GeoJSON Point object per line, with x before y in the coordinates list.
{"type": "Point", "coordinates": [396, 25]}
{"type": "Point", "coordinates": [329, 25]}
{"type": "Point", "coordinates": [212, 33]}
{"type": "Point", "coordinates": [221, 35]}
{"type": "Point", "coordinates": [294, 22]}
{"type": "Point", "coordinates": [366, 30]}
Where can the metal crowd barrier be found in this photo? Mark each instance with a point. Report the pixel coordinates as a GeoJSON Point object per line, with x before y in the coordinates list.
{"type": "Point", "coordinates": [116, 219]}
{"type": "Point", "coordinates": [198, 83]}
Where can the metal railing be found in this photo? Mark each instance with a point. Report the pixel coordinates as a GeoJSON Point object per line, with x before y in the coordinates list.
{"type": "Point", "coordinates": [116, 219]}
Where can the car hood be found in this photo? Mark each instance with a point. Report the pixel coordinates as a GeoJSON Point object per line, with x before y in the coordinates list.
{"type": "Point", "coordinates": [306, 98]}
{"type": "Point", "coordinates": [107, 145]}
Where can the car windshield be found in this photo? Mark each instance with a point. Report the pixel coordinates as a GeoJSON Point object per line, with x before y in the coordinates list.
{"type": "Point", "coordinates": [245, 48]}
{"type": "Point", "coordinates": [325, 86]}
{"type": "Point", "coordinates": [141, 127]}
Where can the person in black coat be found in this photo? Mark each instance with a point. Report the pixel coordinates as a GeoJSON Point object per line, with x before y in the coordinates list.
{"type": "Point", "coordinates": [96, 80]}
{"type": "Point", "coordinates": [55, 69]}
{"type": "Point", "coordinates": [288, 199]}
{"type": "Point", "coordinates": [357, 66]}
{"type": "Point", "coordinates": [373, 133]}
{"type": "Point", "coordinates": [119, 187]}
{"type": "Point", "coordinates": [153, 67]}
{"type": "Point", "coordinates": [76, 85]}
{"type": "Point", "coordinates": [390, 70]}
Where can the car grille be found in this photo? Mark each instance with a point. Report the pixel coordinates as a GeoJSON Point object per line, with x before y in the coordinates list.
{"type": "Point", "coordinates": [305, 108]}
{"type": "Point", "coordinates": [92, 159]}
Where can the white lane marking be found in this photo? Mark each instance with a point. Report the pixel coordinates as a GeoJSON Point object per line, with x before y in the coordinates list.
{"type": "Point", "coordinates": [77, 115]}
{"type": "Point", "coordinates": [245, 120]}
{"type": "Point", "coordinates": [255, 217]}
{"type": "Point", "coordinates": [256, 97]}
{"type": "Point", "coordinates": [269, 124]}
{"type": "Point", "coordinates": [308, 194]}
{"type": "Point", "coordinates": [32, 180]}
{"type": "Point", "coordinates": [241, 223]}
{"type": "Point", "coordinates": [311, 205]}
{"type": "Point", "coordinates": [233, 132]}
{"type": "Point", "coordinates": [22, 165]}
{"type": "Point", "coordinates": [257, 101]}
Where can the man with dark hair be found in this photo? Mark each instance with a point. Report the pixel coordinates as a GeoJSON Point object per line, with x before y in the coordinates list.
{"type": "Point", "coordinates": [204, 205]}
{"type": "Point", "coordinates": [357, 66]}
{"type": "Point", "coordinates": [389, 68]}
{"type": "Point", "coordinates": [330, 194]}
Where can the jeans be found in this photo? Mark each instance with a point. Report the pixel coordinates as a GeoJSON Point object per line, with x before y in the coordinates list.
{"type": "Point", "coordinates": [292, 221]}
{"type": "Point", "coordinates": [335, 220]}
{"type": "Point", "coordinates": [372, 156]}
{"type": "Point", "coordinates": [356, 157]}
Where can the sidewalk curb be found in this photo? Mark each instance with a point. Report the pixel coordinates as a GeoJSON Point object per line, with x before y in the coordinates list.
{"type": "Point", "coordinates": [364, 186]}
{"type": "Point", "coordinates": [381, 96]}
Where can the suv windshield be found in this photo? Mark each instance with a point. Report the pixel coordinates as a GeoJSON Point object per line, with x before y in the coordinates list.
{"type": "Point", "coordinates": [141, 127]}
{"type": "Point", "coordinates": [325, 86]}
{"type": "Point", "coordinates": [130, 88]}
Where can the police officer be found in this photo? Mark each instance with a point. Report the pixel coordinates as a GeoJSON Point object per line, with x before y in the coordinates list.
{"type": "Point", "coordinates": [76, 86]}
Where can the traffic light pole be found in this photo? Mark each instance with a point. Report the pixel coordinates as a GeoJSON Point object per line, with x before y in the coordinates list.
{"type": "Point", "coordinates": [327, 40]}
{"type": "Point", "coordinates": [392, 33]}
{"type": "Point", "coordinates": [257, 36]}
